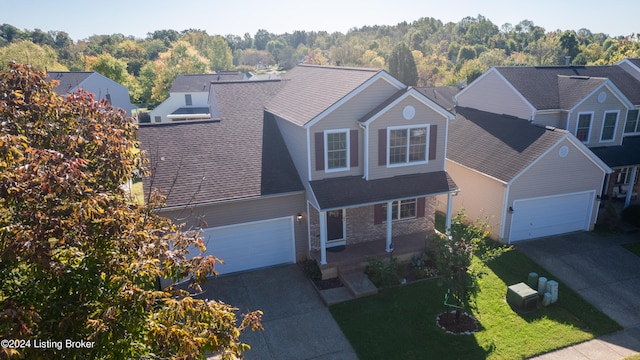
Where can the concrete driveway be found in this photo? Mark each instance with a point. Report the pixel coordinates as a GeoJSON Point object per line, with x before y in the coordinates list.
{"type": "Point", "coordinates": [297, 324]}
{"type": "Point", "coordinates": [603, 273]}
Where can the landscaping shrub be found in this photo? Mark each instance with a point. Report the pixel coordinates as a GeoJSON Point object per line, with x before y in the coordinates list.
{"type": "Point", "coordinates": [385, 273]}
{"type": "Point", "coordinates": [311, 268]}
{"type": "Point", "coordinates": [631, 215]}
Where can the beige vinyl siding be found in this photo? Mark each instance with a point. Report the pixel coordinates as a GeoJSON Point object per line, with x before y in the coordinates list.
{"type": "Point", "coordinates": [480, 196]}
{"type": "Point", "coordinates": [591, 104]}
{"type": "Point", "coordinates": [424, 115]}
{"type": "Point", "coordinates": [557, 119]}
{"type": "Point", "coordinates": [295, 137]}
{"type": "Point", "coordinates": [347, 116]}
{"type": "Point", "coordinates": [554, 175]}
{"type": "Point", "coordinates": [493, 94]}
{"type": "Point", "coordinates": [242, 211]}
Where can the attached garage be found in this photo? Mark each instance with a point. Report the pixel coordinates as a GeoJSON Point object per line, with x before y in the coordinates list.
{"type": "Point", "coordinates": [544, 216]}
{"type": "Point", "coordinates": [251, 245]}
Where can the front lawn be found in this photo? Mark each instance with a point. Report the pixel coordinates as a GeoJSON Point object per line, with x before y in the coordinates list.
{"type": "Point", "coordinates": [400, 323]}
{"type": "Point", "coordinates": [633, 247]}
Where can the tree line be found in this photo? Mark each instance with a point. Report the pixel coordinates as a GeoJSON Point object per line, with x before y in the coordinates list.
{"type": "Point", "coordinates": [425, 52]}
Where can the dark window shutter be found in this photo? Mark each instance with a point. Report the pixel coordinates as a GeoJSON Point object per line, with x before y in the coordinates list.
{"type": "Point", "coordinates": [319, 142]}
{"type": "Point", "coordinates": [377, 214]}
{"type": "Point", "coordinates": [382, 147]}
{"type": "Point", "coordinates": [421, 204]}
{"type": "Point", "coordinates": [433, 141]}
{"type": "Point", "coordinates": [354, 148]}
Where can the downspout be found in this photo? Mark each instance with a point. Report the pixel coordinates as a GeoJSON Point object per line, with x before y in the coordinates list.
{"type": "Point", "coordinates": [627, 200]}
{"type": "Point", "coordinates": [505, 207]}
{"type": "Point", "coordinates": [365, 157]}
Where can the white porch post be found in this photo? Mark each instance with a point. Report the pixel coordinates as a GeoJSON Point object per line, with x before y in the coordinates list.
{"type": "Point", "coordinates": [389, 248]}
{"type": "Point", "coordinates": [449, 213]}
{"type": "Point", "coordinates": [323, 237]}
{"type": "Point", "coordinates": [627, 200]}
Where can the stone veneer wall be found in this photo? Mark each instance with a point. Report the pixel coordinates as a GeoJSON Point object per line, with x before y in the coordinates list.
{"type": "Point", "coordinates": [360, 226]}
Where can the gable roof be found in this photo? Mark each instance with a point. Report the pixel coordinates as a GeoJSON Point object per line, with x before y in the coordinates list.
{"type": "Point", "coordinates": [442, 95]}
{"type": "Point", "coordinates": [69, 81]}
{"type": "Point", "coordinates": [240, 156]}
{"type": "Point", "coordinates": [192, 82]}
{"type": "Point", "coordinates": [315, 89]}
{"type": "Point", "coordinates": [540, 84]}
{"type": "Point", "coordinates": [399, 96]}
{"type": "Point", "coordinates": [500, 146]}
{"type": "Point", "coordinates": [573, 89]}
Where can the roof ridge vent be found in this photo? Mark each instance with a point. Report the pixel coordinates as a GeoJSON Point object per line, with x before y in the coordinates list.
{"type": "Point", "coordinates": [579, 77]}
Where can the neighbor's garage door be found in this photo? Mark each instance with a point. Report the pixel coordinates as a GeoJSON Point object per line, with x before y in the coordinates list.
{"type": "Point", "coordinates": [545, 216]}
{"type": "Point", "coordinates": [251, 245]}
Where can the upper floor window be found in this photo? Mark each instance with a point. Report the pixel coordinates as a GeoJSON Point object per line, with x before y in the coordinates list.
{"type": "Point", "coordinates": [408, 144]}
{"type": "Point", "coordinates": [337, 149]}
{"type": "Point", "coordinates": [622, 176]}
{"type": "Point", "coordinates": [187, 99]}
{"type": "Point", "coordinates": [584, 127]}
{"type": "Point", "coordinates": [632, 125]}
{"type": "Point", "coordinates": [609, 126]}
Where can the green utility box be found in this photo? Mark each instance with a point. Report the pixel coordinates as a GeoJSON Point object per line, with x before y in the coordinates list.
{"type": "Point", "coordinates": [522, 297]}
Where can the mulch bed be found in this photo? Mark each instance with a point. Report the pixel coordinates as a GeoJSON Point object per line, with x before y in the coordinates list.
{"type": "Point", "coordinates": [466, 325]}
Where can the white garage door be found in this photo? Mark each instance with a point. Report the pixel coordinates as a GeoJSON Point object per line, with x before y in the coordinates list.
{"type": "Point", "coordinates": [545, 216]}
{"type": "Point", "coordinates": [251, 245]}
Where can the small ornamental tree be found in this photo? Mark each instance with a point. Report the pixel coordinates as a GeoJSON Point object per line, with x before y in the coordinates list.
{"type": "Point", "coordinates": [79, 260]}
{"type": "Point", "coordinates": [454, 257]}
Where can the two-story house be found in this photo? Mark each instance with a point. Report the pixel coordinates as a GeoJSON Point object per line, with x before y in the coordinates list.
{"type": "Point", "coordinates": [325, 159]}
{"type": "Point", "coordinates": [190, 97]}
{"type": "Point", "coordinates": [100, 86]}
{"type": "Point", "coordinates": [599, 105]}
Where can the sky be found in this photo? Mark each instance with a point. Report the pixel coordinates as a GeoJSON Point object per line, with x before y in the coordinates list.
{"type": "Point", "coordinates": [81, 19]}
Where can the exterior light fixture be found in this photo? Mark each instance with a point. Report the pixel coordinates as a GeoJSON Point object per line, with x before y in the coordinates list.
{"type": "Point", "coordinates": [299, 218]}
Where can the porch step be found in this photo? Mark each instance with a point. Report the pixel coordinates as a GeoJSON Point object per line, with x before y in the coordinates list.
{"type": "Point", "coordinates": [358, 283]}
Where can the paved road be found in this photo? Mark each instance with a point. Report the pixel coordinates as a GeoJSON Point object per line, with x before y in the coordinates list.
{"type": "Point", "coordinates": [297, 324]}
{"type": "Point", "coordinates": [603, 273]}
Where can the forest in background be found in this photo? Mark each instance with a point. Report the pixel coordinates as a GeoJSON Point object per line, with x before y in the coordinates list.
{"type": "Point", "coordinates": [435, 53]}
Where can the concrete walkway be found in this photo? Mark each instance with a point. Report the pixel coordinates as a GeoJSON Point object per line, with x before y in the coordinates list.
{"type": "Point", "coordinates": [604, 274]}
{"type": "Point", "coordinates": [297, 324]}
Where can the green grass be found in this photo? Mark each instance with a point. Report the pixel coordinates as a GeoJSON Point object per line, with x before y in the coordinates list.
{"type": "Point", "coordinates": [633, 247]}
{"type": "Point", "coordinates": [399, 323]}
{"type": "Point", "coordinates": [441, 222]}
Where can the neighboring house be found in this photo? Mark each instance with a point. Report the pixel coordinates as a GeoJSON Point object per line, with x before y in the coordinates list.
{"type": "Point", "coordinates": [101, 86]}
{"type": "Point", "coordinates": [325, 157]}
{"type": "Point", "coordinates": [525, 181]}
{"type": "Point", "coordinates": [598, 104]}
{"type": "Point", "coordinates": [189, 97]}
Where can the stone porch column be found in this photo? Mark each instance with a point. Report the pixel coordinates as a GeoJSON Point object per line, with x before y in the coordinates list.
{"type": "Point", "coordinates": [449, 214]}
{"type": "Point", "coordinates": [323, 237]}
{"type": "Point", "coordinates": [627, 200]}
{"type": "Point", "coordinates": [389, 247]}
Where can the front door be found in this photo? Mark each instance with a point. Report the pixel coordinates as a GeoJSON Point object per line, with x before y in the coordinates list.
{"type": "Point", "coordinates": [335, 225]}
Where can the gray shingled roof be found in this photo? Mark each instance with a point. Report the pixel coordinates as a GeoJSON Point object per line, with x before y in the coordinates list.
{"type": "Point", "coordinates": [497, 145]}
{"type": "Point", "coordinates": [626, 154]}
{"type": "Point", "coordinates": [573, 89]}
{"type": "Point", "coordinates": [193, 82]}
{"type": "Point", "coordinates": [539, 84]}
{"type": "Point", "coordinates": [314, 89]}
{"type": "Point", "coordinates": [441, 95]}
{"type": "Point", "coordinates": [355, 191]}
{"type": "Point", "coordinates": [68, 81]}
{"type": "Point", "coordinates": [241, 156]}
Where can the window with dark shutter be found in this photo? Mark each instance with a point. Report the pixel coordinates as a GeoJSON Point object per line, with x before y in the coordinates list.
{"type": "Point", "coordinates": [382, 147]}
{"type": "Point", "coordinates": [354, 148]}
{"type": "Point", "coordinates": [433, 141]}
{"type": "Point", "coordinates": [421, 204]}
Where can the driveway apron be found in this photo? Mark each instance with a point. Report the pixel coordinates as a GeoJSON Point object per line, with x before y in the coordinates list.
{"type": "Point", "coordinates": [602, 272]}
{"type": "Point", "coordinates": [297, 324]}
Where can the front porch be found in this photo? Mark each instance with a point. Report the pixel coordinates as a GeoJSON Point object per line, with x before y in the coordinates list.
{"type": "Point", "coordinates": [354, 257]}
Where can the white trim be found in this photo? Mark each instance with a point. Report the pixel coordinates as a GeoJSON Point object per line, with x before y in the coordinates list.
{"type": "Point", "coordinates": [365, 156]}
{"type": "Point", "coordinates": [399, 209]}
{"type": "Point", "coordinates": [575, 132]}
{"type": "Point", "coordinates": [380, 75]}
{"type": "Point", "coordinates": [418, 96]}
{"type": "Point", "coordinates": [505, 207]}
{"type": "Point", "coordinates": [347, 133]}
{"type": "Point", "coordinates": [615, 125]}
{"type": "Point", "coordinates": [587, 223]}
{"type": "Point", "coordinates": [636, 129]}
{"type": "Point", "coordinates": [309, 229]}
{"type": "Point", "coordinates": [308, 154]}
{"type": "Point", "coordinates": [408, 148]}
{"type": "Point", "coordinates": [323, 237]}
